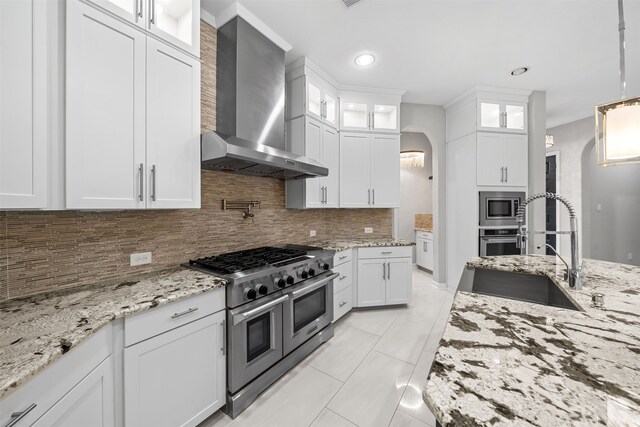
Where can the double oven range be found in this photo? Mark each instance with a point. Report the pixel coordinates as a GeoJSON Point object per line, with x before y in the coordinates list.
{"type": "Point", "coordinates": [279, 308]}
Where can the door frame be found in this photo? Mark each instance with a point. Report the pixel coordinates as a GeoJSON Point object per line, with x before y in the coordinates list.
{"type": "Point", "coordinates": [556, 154]}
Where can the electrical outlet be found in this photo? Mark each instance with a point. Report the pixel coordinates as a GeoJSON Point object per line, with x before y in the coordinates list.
{"type": "Point", "coordinates": [630, 256]}
{"type": "Point", "coordinates": [140, 258]}
{"type": "Point", "coordinates": [368, 230]}
{"type": "Point", "coordinates": [599, 207]}
{"type": "Point", "coordinates": [312, 233]}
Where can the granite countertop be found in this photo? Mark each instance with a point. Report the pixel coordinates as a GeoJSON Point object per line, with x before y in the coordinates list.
{"type": "Point", "coordinates": [37, 330]}
{"type": "Point", "coordinates": [344, 244]}
{"type": "Point", "coordinates": [428, 230]}
{"type": "Point", "coordinates": [507, 362]}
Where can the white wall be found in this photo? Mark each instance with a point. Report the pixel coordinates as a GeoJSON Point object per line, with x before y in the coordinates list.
{"type": "Point", "coordinates": [537, 163]}
{"type": "Point", "coordinates": [431, 120]}
{"type": "Point", "coordinates": [416, 190]}
{"type": "Point", "coordinates": [570, 140]}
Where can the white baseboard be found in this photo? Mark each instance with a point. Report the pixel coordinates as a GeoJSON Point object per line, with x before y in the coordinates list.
{"type": "Point", "coordinates": [439, 285]}
{"type": "Point", "coordinates": [452, 288]}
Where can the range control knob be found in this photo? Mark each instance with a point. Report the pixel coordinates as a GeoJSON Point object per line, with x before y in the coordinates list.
{"type": "Point", "coordinates": [289, 280]}
{"type": "Point", "coordinates": [250, 293]}
{"type": "Point", "coordinates": [262, 289]}
{"type": "Point", "coordinates": [280, 282]}
{"type": "Point", "coordinates": [324, 266]}
{"type": "Point", "coordinates": [312, 272]}
{"type": "Point", "coordinates": [304, 274]}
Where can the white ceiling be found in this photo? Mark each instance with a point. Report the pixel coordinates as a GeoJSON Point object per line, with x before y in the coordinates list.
{"type": "Point", "coordinates": [436, 50]}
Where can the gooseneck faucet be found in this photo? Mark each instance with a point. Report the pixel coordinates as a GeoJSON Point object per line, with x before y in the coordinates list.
{"type": "Point", "coordinates": [575, 272]}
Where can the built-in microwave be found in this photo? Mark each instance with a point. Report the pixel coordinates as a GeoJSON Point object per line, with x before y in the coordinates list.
{"type": "Point", "coordinates": [499, 208]}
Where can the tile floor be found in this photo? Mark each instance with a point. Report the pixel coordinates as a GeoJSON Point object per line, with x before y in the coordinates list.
{"type": "Point", "coordinates": [371, 373]}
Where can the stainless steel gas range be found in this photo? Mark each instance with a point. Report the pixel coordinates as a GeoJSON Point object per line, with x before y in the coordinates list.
{"type": "Point", "coordinates": [279, 309]}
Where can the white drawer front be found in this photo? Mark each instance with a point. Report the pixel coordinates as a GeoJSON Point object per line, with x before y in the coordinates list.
{"type": "Point", "coordinates": [385, 252]}
{"type": "Point", "coordinates": [345, 277]}
{"type": "Point", "coordinates": [342, 303]}
{"type": "Point", "coordinates": [342, 257]}
{"type": "Point", "coordinates": [164, 318]}
{"type": "Point", "coordinates": [424, 235]}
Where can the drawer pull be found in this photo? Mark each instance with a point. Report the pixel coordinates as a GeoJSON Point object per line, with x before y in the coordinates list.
{"type": "Point", "coordinates": [386, 252]}
{"type": "Point", "coordinates": [342, 277]}
{"type": "Point", "coordinates": [342, 257]}
{"type": "Point", "coordinates": [342, 303]}
{"type": "Point", "coordinates": [183, 313]}
{"type": "Point", "coordinates": [17, 416]}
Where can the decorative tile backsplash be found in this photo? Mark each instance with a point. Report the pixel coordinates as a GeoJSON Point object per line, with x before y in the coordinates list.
{"type": "Point", "coordinates": [424, 221]}
{"type": "Point", "coordinates": [40, 251]}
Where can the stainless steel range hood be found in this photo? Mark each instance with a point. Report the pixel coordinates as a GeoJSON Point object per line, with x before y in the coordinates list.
{"type": "Point", "coordinates": [250, 135]}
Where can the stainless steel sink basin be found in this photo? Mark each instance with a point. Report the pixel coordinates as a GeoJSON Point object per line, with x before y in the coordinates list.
{"type": "Point", "coordinates": [517, 286]}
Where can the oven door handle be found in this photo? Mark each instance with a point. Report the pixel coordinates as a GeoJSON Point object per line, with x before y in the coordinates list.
{"type": "Point", "coordinates": [314, 286]}
{"type": "Point", "coordinates": [240, 317]}
{"type": "Point", "coordinates": [495, 240]}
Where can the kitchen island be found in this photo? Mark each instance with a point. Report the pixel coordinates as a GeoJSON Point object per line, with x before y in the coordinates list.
{"type": "Point", "coordinates": [508, 362]}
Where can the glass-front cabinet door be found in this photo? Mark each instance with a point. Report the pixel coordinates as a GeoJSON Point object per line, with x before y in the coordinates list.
{"type": "Point", "coordinates": [330, 109]}
{"type": "Point", "coordinates": [385, 117]}
{"type": "Point", "coordinates": [133, 11]}
{"type": "Point", "coordinates": [355, 116]}
{"type": "Point", "coordinates": [502, 116]}
{"type": "Point", "coordinates": [177, 22]}
{"type": "Point", "coordinates": [314, 99]}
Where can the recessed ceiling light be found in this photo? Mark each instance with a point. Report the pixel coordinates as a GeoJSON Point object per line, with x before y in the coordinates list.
{"type": "Point", "coordinates": [519, 71]}
{"type": "Point", "coordinates": [365, 60]}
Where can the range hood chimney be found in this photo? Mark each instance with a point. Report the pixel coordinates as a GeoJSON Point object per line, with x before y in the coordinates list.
{"type": "Point", "coordinates": [249, 136]}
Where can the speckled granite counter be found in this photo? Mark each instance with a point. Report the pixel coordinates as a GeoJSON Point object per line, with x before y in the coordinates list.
{"type": "Point", "coordinates": [506, 362]}
{"type": "Point", "coordinates": [344, 244]}
{"type": "Point", "coordinates": [37, 330]}
{"type": "Point", "coordinates": [427, 230]}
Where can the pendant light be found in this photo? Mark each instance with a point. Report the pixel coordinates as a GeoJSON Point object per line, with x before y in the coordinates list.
{"type": "Point", "coordinates": [618, 122]}
{"type": "Point", "coordinates": [548, 141]}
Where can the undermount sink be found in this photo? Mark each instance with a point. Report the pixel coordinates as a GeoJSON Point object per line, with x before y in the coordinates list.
{"type": "Point", "coordinates": [517, 286]}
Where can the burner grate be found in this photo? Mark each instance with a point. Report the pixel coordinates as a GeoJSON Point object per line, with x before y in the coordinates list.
{"type": "Point", "coordinates": [234, 262]}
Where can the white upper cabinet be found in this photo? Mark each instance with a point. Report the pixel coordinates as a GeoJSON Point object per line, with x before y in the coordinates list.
{"type": "Point", "coordinates": [311, 138]}
{"type": "Point", "coordinates": [502, 116]}
{"type": "Point", "coordinates": [173, 127]}
{"type": "Point", "coordinates": [308, 93]}
{"type": "Point", "coordinates": [105, 111]}
{"type": "Point", "coordinates": [133, 11]}
{"type": "Point", "coordinates": [133, 117]}
{"type": "Point", "coordinates": [177, 22]}
{"type": "Point", "coordinates": [369, 112]}
{"type": "Point", "coordinates": [369, 170]}
{"type": "Point", "coordinates": [501, 160]}
{"type": "Point", "coordinates": [174, 21]}
{"type": "Point", "coordinates": [23, 103]}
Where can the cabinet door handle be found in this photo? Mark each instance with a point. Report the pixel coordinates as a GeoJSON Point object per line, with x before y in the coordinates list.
{"type": "Point", "coordinates": [506, 174]}
{"type": "Point", "coordinates": [502, 174]}
{"type": "Point", "coordinates": [342, 303]}
{"type": "Point", "coordinates": [388, 270]}
{"type": "Point", "coordinates": [183, 313]}
{"type": "Point", "coordinates": [373, 196]}
{"type": "Point", "coordinates": [141, 190]}
{"type": "Point", "coordinates": [373, 120]}
{"type": "Point", "coordinates": [153, 183]}
{"type": "Point", "coordinates": [384, 271]}
{"type": "Point", "coordinates": [139, 8]}
{"type": "Point", "coordinates": [369, 196]}
{"type": "Point", "coordinates": [224, 340]}
{"type": "Point", "coordinates": [506, 119]}
{"type": "Point", "coordinates": [17, 416]}
{"type": "Point", "coordinates": [152, 17]}
{"type": "Point", "coordinates": [425, 247]}
{"type": "Point", "coordinates": [326, 195]}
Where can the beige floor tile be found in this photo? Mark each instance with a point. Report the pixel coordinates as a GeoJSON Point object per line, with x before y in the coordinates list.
{"type": "Point", "coordinates": [294, 401]}
{"type": "Point", "coordinates": [344, 352]}
{"type": "Point", "coordinates": [370, 396]}
{"type": "Point", "coordinates": [401, 419]}
{"type": "Point", "coordinates": [328, 418]}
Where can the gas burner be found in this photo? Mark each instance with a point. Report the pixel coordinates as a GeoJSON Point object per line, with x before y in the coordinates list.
{"type": "Point", "coordinates": [234, 262]}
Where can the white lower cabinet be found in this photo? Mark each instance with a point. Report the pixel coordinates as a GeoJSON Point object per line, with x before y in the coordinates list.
{"type": "Point", "coordinates": [342, 303]}
{"type": "Point", "coordinates": [342, 285]}
{"type": "Point", "coordinates": [424, 250]}
{"type": "Point", "coordinates": [90, 403]}
{"type": "Point", "coordinates": [176, 378]}
{"type": "Point", "coordinates": [383, 276]}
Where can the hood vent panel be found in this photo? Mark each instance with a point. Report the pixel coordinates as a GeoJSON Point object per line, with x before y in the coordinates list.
{"type": "Point", "coordinates": [250, 136]}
